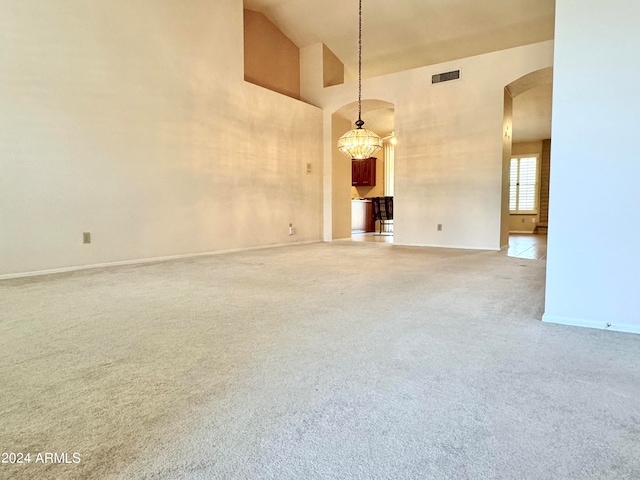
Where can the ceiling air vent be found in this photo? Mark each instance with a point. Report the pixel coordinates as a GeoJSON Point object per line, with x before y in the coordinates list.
{"type": "Point", "coordinates": [445, 77]}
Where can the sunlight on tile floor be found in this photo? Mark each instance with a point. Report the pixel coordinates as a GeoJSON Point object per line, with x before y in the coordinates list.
{"type": "Point", "coordinates": [532, 246]}
{"type": "Point", "coordinates": [521, 245]}
{"type": "Point", "coordinates": [372, 237]}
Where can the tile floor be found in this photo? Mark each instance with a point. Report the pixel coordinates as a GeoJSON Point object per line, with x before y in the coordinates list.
{"type": "Point", "coordinates": [372, 237]}
{"type": "Point", "coordinates": [521, 245]}
{"type": "Point", "coordinates": [525, 245]}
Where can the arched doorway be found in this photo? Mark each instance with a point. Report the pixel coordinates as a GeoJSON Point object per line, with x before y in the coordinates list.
{"type": "Point", "coordinates": [378, 116]}
{"type": "Point", "coordinates": [526, 160]}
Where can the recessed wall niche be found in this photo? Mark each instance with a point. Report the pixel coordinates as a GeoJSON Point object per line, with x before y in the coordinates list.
{"type": "Point", "coordinates": [271, 60]}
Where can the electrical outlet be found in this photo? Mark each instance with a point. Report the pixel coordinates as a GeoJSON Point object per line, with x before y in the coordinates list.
{"type": "Point", "coordinates": [86, 237]}
{"type": "Point", "coordinates": [291, 229]}
{"type": "Point", "coordinates": [308, 168]}
{"type": "Point", "coordinates": [523, 220]}
{"type": "Point", "coordinates": [439, 227]}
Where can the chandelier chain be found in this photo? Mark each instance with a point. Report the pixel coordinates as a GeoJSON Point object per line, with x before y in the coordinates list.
{"type": "Point", "coordinates": [359, 143]}
{"type": "Point", "coordinates": [360, 60]}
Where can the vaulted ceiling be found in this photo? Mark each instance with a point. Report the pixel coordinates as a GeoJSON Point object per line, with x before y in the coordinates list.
{"type": "Point", "coordinates": [407, 34]}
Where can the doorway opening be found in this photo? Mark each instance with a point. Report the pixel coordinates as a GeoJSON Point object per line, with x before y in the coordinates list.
{"type": "Point", "coordinates": [363, 190]}
{"type": "Point", "coordinates": [528, 102]}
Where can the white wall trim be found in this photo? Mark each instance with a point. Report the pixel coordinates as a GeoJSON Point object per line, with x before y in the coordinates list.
{"type": "Point", "coordinates": [145, 260]}
{"type": "Point", "coordinates": [522, 231]}
{"type": "Point", "coordinates": [586, 323]}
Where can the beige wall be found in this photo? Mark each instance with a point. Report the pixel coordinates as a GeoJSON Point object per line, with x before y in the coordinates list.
{"type": "Point", "coordinates": [341, 182]}
{"type": "Point", "coordinates": [132, 121]}
{"type": "Point", "coordinates": [507, 147]}
{"type": "Point", "coordinates": [271, 60]}
{"type": "Point", "coordinates": [448, 162]}
{"type": "Point", "coordinates": [523, 148]}
{"type": "Point", "coordinates": [523, 223]}
{"type": "Point", "coordinates": [332, 68]}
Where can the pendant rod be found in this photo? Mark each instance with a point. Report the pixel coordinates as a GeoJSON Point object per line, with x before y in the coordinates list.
{"type": "Point", "coordinates": [359, 123]}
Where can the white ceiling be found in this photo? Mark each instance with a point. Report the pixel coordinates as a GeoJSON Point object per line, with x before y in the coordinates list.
{"type": "Point", "coordinates": [407, 34]}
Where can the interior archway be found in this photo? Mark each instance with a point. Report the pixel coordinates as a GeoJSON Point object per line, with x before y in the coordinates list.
{"type": "Point", "coordinates": [378, 116]}
{"type": "Point", "coordinates": [527, 127]}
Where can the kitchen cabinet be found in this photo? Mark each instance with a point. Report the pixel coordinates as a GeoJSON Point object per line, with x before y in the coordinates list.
{"type": "Point", "coordinates": [363, 172]}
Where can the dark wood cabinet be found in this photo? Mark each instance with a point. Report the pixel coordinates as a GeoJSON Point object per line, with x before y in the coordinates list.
{"type": "Point", "coordinates": [363, 172]}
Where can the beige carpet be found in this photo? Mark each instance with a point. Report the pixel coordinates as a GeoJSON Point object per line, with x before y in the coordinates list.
{"type": "Point", "coordinates": [325, 361]}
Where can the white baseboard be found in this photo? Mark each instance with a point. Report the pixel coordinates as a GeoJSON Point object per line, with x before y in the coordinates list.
{"type": "Point", "coordinates": [521, 231]}
{"type": "Point", "coordinates": [139, 261]}
{"type": "Point", "coordinates": [586, 323]}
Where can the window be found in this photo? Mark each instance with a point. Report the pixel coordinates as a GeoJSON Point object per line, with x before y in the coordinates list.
{"type": "Point", "coordinates": [523, 184]}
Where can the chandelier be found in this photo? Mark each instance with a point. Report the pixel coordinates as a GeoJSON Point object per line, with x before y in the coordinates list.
{"type": "Point", "coordinates": [359, 143]}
